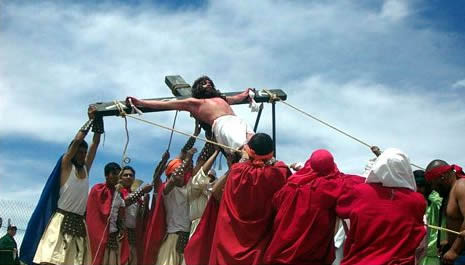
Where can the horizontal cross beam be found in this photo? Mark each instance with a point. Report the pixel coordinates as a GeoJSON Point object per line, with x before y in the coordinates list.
{"type": "Point", "coordinates": [110, 109]}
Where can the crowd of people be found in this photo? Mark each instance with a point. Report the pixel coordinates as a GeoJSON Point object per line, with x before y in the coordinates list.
{"type": "Point", "coordinates": [261, 211]}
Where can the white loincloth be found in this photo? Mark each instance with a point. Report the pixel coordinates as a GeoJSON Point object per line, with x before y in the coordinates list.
{"type": "Point", "coordinates": [232, 131]}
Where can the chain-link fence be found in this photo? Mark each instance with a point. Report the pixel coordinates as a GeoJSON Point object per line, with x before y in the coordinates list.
{"type": "Point", "coordinates": [18, 214]}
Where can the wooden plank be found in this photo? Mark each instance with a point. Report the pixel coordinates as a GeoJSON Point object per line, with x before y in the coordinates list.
{"type": "Point", "coordinates": [109, 108]}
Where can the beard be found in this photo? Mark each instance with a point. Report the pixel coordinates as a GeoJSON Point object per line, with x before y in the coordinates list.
{"type": "Point", "coordinates": [209, 93]}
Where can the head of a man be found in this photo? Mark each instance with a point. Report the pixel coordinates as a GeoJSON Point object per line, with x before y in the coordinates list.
{"type": "Point", "coordinates": [392, 169]}
{"type": "Point", "coordinates": [440, 181]}
{"type": "Point", "coordinates": [322, 162]}
{"type": "Point", "coordinates": [112, 171]}
{"type": "Point", "coordinates": [128, 176]}
{"type": "Point", "coordinates": [79, 159]}
{"type": "Point", "coordinates": [11, 230]}
{"type": "Point", "coordinates": [261, 144]}
{"type": "Point", "coordinates": [204, 87]}
{"type": "Point", "coordinates": [423, 187]}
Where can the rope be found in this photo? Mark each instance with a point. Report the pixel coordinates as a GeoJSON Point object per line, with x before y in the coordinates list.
{"type": "Point", "coordinates": [186, 134]}
{"type": "Point", "coordinates": [443, 229]}
{"type": "Point", "coordinates": [171, 136]}
{"type": "Point", "coordinates": [124, 159]}
{"type": "Point", "coordinates": [274, 98]}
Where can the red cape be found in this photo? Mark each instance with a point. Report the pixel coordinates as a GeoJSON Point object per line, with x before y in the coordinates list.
{"type": "Point", "coordinates": [97, 213]}
{"type": "Point", "coordinates": [156, 229]}
{"type": "Point", "coordinates": [386, 224]}
{"type": "Point", "coordinates": [245, 216]}
{"type": "Point", "coordinates": [197, 251]}
{"type": "Point", "coordinates": [303, 229]}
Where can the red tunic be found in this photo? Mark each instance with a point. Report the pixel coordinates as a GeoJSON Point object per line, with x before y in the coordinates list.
{"type": "Point", "coordinates": [245, 217]}
{"type": "Point", "coordinates": [156, 229]}
{"type": "Point", "coordinates": [304, 226]}
{"type": "Point", "coordinates": [386, 224]}
{"type": "Point", "coordinates": [198, 248]}
{"type": "Point", "coordinates": [97, 213]}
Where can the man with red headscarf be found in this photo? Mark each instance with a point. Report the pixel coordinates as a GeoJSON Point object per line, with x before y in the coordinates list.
{"type": "Point", "coordinates": [305, 220]}
{"type": "Point", "coordinates": [385, 213]}
{"type": "Point", "coordinates": [245, 215]}
{"type": "Point", "coordinates": [450, 182]}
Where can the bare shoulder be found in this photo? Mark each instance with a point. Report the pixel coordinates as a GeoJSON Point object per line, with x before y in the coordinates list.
{"type": "Point", "coordinates": [459, 187]}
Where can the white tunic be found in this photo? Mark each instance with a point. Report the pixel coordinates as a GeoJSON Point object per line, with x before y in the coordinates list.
{"type": "Point", "coordinates": [74, 193]}
{"type": "Point", "coordinates": [230, 130]}
{"type": "Point", "coordinates": [177, 210]}
{"type": "Point", "coordinates": [198, 194]}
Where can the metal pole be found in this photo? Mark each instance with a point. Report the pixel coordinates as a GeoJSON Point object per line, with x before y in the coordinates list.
{"type": "Point", "coordinates": [273, 107]}
{"type": "Point", "coordinates": [255, 127]}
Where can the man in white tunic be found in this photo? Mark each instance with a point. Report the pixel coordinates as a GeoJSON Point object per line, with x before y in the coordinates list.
{"type": "Point", "coordinates": [65, 239]}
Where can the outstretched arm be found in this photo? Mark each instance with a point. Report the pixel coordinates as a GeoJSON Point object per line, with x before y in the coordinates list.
{"type": "Point", "coordinates": [239, 97]}
{"type": "Point", "coordinates": [187, 104]}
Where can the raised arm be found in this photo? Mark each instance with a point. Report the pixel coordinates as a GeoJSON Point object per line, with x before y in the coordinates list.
{"type": "Point", "coordinates": [98, 129]}
{"type": "Point", "coordinates": [187, 104]}
{"type": "Point", "coordinates": [206, 158]}
{"type": "Point", "coordinates": [177, 177]}
{"type": "Point", "coordinates": [218, 187]}
{"type": "Point", "coordinates": [239, 97]}
{"type": "Point", "coordinates": [190, 142]}
{"type": "Point", "coordinates": [66, 162]}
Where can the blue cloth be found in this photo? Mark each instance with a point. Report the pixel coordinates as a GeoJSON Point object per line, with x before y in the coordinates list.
{"type": "Point", "coordinates": [41, 216]}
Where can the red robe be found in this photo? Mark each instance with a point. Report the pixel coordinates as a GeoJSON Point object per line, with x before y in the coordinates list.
{"type": "Point", "coordinates": [386, 224]}
{"type": "Point", "coordinates": [303, 229]}
{"type": "Point", "coordinates": [97, 213]}
{"type": "Point", "coordinates": [245, 217]}
{"type": "Point", "coordinates": [198, 249]}
{"type": "Point", "coordinates": [156, 229]}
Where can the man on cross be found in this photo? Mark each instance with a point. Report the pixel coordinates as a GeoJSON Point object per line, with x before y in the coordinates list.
{"type": "Point", "coordinates": [212, 109]}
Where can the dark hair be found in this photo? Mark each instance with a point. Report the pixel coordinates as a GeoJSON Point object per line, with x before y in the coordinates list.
{"type": "Point", "coordinates": [436, 163]}
{"type": "Point", "coordinates": [261, 143]}
{"type": "Point", "coordinates": [129, 168]}
{"type": "Point", "coordinates": [12, 227]}
{"type": "Point", "coordinates": [82, 143]}
{"type": "Point", "coordinates": [199, 92]}
{"type": "Point", "coordinates": [111, 167]}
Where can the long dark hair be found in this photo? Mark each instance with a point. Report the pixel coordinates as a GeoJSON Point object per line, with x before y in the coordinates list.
{"type": "Point", "coordinates": [199, 92]}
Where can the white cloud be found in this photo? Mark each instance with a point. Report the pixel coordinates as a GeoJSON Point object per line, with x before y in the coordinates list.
{"type": "Point", "coordinates": [459, 84]}
{"type": "Point", "coordinates": [395, 9]}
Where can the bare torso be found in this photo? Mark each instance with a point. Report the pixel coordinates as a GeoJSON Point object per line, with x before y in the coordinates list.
{"type": "Point", "coordinates": [208, 110]}
{"type": "Point", "coordinates": [454, 215]}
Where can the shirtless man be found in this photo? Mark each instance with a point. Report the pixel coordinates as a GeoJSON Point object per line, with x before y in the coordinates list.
{"type": "Point", "coordinates": [212, 109]}
{"type": "Point", "coordinates": [450, 182]}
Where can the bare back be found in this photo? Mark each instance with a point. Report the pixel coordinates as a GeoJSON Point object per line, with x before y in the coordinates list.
{"type": "Point", "coordinates": [208, 110]}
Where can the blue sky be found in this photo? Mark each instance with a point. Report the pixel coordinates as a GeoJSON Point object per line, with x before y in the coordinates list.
{"type": "Point", "coordinates": [390, 72]}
